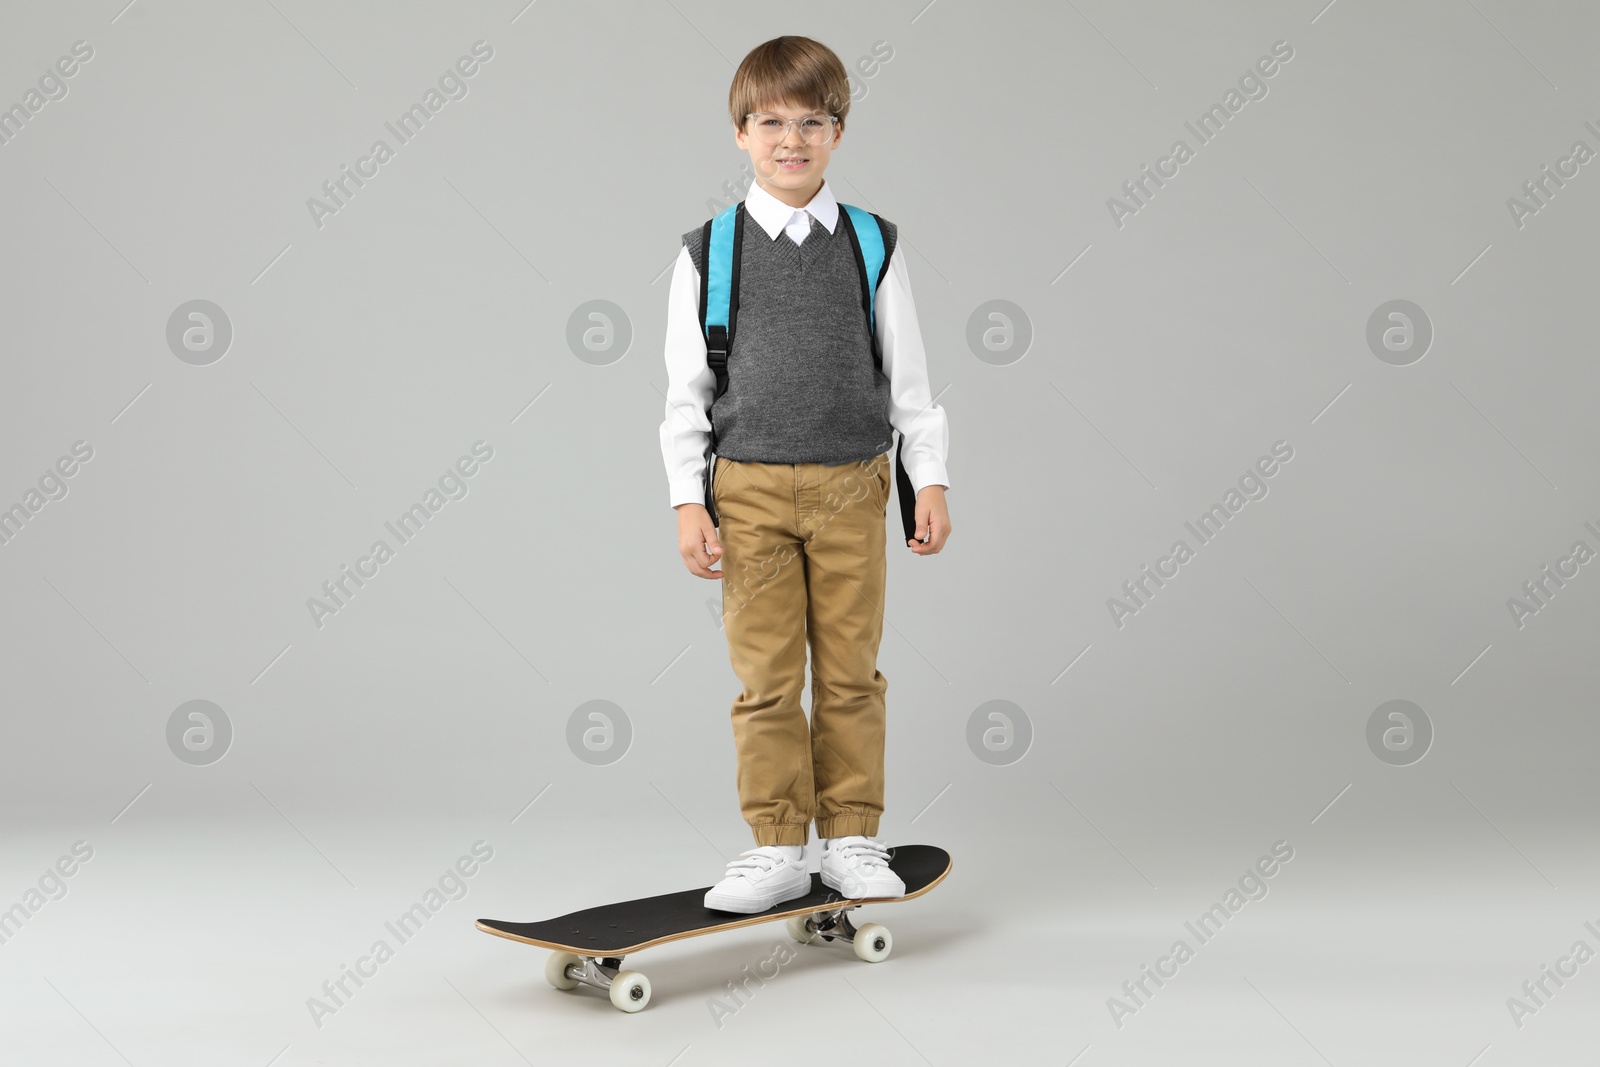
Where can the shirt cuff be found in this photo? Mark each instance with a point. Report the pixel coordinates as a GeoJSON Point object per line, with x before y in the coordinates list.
{"type": "Point", "coordinates": [687, 491]}
{"type": "Point", "coordinates": [928, 472]}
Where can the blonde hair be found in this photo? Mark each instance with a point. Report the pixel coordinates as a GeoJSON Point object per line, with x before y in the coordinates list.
{"type": "Point", "coordinates": [796, 69]}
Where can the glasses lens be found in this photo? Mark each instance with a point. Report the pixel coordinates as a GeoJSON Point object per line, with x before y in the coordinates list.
{"type": "Point", "coordinates": [816, 129]}
{"type": "Point", "coordinates": [769, 128]}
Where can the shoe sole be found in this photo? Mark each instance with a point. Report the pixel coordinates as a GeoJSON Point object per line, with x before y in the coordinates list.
{"type": "Point", "coordinates": [749, 906]}
{"type": "Point", "coordinates": [831, 884]}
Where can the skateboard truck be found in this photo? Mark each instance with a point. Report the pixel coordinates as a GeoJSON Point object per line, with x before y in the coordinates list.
{"type": "Point", "coordinates": [628, 990]}
{"type": "Point", "coordinates": [870, 941]}
{"type": "Point", "coordinates": [832, 924]}
{"type": "Point", "coordinates": [599, 972]}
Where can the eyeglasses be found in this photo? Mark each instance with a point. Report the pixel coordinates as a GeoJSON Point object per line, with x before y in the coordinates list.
{"type": "Point", "coordinates": [814, 129]}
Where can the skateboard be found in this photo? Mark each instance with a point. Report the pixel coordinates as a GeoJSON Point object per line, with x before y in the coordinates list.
{"type": "Point", "coordinates": [590, 944]}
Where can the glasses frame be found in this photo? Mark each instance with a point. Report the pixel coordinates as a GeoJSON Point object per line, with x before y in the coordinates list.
{"type": "Point", "coordinates": [833, 125]}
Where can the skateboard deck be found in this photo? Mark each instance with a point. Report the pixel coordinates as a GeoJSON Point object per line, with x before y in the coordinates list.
{"type": "Point", "coordinates": [598, 938]}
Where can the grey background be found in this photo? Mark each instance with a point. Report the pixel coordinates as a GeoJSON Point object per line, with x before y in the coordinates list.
{"type": "Point", "coordinates": [1167, 355]}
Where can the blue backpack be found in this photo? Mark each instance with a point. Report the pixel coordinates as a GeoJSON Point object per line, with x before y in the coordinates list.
{"type": "Point", "coordinates": [721, 238]}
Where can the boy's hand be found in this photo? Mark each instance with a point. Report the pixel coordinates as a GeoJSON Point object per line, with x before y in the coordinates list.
{"type": "Point", "coordinates": [933, 521]}
{"type": "Point", "coordinates": [696, 536]}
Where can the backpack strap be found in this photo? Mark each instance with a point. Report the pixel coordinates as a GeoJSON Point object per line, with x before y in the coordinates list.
{"type": "Point", "coordinates": [866, 240]}
{"type": "Point", "coordinates": [719, 310]}
{"type": "Point", "coordinates": [719, 288]}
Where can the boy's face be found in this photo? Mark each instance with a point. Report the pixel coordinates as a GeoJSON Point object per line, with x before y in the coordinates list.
{"type": "Point", "coordinates": [793, 183]}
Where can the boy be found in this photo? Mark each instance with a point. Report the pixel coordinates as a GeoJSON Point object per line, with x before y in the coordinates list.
{"type": "Point", "coordinates": [801, 483]}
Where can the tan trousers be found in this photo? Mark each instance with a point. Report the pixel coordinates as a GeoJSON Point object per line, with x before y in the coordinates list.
{"type": "Point", "coordinates": [803, 559]}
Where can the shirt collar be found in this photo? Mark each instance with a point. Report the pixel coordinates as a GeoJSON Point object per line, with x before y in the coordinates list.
{"type": "Point", "coordinates": [773, 214]}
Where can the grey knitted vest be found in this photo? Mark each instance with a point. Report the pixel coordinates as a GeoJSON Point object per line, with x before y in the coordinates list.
{"type": "Point", "coordinates": [802, 387]}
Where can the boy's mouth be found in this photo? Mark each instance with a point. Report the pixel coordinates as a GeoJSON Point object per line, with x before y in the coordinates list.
{"type": "Point", "coordinates": [791, 162]}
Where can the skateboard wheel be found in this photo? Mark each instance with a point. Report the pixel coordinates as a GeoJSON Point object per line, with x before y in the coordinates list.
{"type": "Point", "coordinates": [630, 991]}
{"type": "Point", "coordinates": [555, 970]}
{"type": "Point", "coordinates": [798, 931]}
{"type": "Point", "coordinates": [872, 943]}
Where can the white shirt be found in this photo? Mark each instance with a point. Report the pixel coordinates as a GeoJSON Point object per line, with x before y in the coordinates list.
{"type": "Point", "coordinates": [686, 430]}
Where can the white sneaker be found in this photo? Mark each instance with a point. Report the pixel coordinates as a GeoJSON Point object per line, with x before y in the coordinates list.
{"type": "Point", "coordinates": [859, 867]}
{"type": "Point", "coordinates": [758, 879]}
